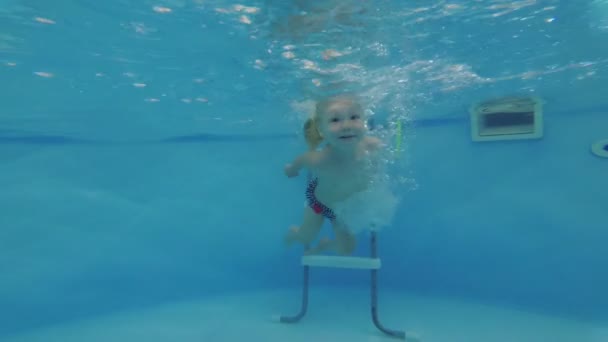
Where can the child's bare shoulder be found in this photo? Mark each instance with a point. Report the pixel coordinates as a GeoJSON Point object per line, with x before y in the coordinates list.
{"type": "Point", "coordinates": [372, 143]}
{"type": "Point", "coordinates": [315, 158]}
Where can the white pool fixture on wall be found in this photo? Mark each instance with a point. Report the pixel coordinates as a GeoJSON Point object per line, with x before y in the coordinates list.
{"type": "Point", "coordinates": [600, 148]}
{"type": "Point", "coordinates": [507, 118]}
{"type": "Point", "coordinates": [598, 15]}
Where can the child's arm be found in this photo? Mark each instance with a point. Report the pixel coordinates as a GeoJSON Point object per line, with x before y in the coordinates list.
{"type": "Point", "coordinates": [293, 169]}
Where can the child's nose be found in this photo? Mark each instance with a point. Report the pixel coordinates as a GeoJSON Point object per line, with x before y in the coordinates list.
{"type": "Point", "coordinates": [349, 124]}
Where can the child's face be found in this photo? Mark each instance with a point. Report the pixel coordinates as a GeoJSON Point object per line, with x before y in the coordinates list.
{"type": "Point", "coordinates": [342, 123]}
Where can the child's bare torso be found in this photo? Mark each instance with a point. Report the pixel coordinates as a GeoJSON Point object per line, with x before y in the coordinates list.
{"type": "Point", "coordinates": [339, 179]}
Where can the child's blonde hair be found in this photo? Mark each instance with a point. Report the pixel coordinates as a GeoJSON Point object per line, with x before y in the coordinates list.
{"type": "Point", "coordinates": [311, 126]}
{"type": "Point", "coordinates": [311, 133]}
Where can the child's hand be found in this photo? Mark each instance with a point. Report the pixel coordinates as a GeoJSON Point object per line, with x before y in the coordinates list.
{"type": "Point", "coordinates": [291, 171]}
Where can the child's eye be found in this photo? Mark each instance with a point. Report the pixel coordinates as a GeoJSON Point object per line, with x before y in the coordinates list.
{"type": "Point", "coordinates": [334, 120]}
{"type": "Point", "coordinates": [355, 117]}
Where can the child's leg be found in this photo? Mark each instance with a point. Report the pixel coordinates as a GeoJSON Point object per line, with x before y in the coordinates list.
{"type": "Point", "coordinates": [308, 231]}
{"type": "Point", "coordinates": [345, 240]}
{"type": "Point", "coordinates": [344, 243]}
{"type": "Point", "coordinates": [324, 245]}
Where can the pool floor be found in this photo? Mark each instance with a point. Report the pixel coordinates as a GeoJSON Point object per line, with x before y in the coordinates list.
{"type": "Point", "coordinates": [334, 315]}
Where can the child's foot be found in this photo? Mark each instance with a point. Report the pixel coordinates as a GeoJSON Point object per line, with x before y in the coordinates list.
{"type": "Point", "coordinates": [324, 244]}
{"type": "Point", "coordinates": [292, 235]}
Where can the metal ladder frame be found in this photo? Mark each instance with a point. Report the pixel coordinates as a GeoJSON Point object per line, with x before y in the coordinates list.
{"type": "Point", "coordinates": [374, 293]}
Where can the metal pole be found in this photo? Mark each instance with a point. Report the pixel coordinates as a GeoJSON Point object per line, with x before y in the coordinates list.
{"type": "Point", "coordinates": [374, 288]}
{"type": "Point", "coordinates": [304, 307]}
